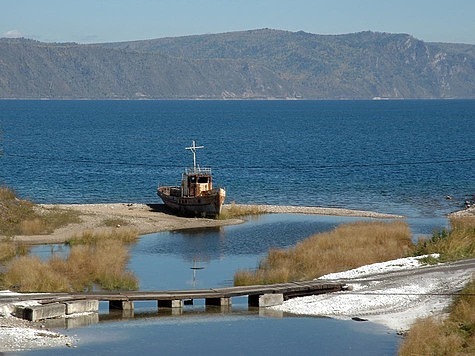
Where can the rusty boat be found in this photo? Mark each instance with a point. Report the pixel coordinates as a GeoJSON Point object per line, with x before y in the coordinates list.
{"type": "Point", "coordinates": [196, 195]}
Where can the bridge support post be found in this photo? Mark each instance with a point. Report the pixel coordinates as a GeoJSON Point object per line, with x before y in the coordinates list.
{"type": "Point", "coordinates": [121, 305]}
{"type": "Point", "coordinates": [82, 306]}
{"type": "Point", "coordinates": [220, 302]}
{"type": "Point", "coordinates": [174, 303]}
{"type": "Point", "coordinates": [265, 300]}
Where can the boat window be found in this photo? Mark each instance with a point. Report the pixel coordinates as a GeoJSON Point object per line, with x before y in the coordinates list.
{"type": "Point", "coordinates": [202, 179]}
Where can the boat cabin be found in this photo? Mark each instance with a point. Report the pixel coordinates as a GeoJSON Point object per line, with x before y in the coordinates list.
{"type": "Point", "coordinates": [196, 182]}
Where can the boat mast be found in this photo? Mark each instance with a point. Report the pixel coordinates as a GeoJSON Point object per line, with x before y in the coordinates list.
{"type": "Point", "coordinates": [193, 149]}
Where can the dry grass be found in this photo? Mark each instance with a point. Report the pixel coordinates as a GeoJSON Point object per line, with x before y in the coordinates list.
{"type": "Point", "coordinates": [452, 336]}
{"type": "Point", "coordinates": [234, 211]}
{"type": "Point", "coordinates": [122, 235]}
{"type": "Point", "coordinates": [30, 274]}
{"type": "Point", "coordinates": [347, 246]}
{"type": "Point", "coordinates": [10, 249]}
{"type": "Point", "coordinates": [94, 259]}
{"type": "Point", "coordinates": [21, 217]}
{"type": "Point", "coordinates": [454, 244]}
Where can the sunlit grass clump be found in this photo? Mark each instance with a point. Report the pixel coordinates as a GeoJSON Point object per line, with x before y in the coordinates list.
{"type": "Point", "coordinates": [95, 259]}
{"type": "Point", "coordinates": [346, 247]}
{"type": "Point", "coordinates": [234, 210]}
{"type": "Point", "coordinates": [10, 249]}
{"type": "Point", "coordinates": [122, 235]}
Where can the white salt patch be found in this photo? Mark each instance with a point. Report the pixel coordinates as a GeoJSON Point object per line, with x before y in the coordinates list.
{"type": "Point", "coordinates": [394, 302]}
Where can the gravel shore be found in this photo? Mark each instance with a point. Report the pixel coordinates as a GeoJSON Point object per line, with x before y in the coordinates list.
{"type": "Point", "coordinates": [19, 335]}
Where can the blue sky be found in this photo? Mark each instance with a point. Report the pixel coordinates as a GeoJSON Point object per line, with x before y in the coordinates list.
{"type": "Point", "coordinates": [86, 21]}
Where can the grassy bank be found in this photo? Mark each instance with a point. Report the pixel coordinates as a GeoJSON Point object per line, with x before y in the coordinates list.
{"type": "Point", "coordinates": [346, 247]}
{"type": "Point", "coordinates": [21, 217]}
{"type": "Point", "coordinates": [95, 259]}
{"type": "Point", "coordinates": [454, 335]}
{"type": "Point", "coordinates": [353, 245]}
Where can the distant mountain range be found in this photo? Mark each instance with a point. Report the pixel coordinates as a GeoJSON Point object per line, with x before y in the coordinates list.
{"type": "Point", "coordinates": [257, 64]}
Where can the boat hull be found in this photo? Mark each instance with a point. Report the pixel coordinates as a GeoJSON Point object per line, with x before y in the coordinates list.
{"type": "Point", "coordinates": [205, 205]}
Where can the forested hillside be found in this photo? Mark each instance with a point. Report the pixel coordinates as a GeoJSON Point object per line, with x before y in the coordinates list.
{"type": "Point", "coordinates": [257, 64]}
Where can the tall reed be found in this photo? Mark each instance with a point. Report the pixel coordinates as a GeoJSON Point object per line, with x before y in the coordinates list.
{"type": "Point", "coordinates": [347, 246]}
{"type": "Point", "coordinates": [94, 259]}
{"type": "Point", "coordinates": [10, 249]}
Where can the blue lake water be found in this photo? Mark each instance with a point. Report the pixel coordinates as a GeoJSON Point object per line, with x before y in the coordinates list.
{"type": "Point", "coordinates": [400, 157]}
{"type": "Point", "coordinates": [394, 156]}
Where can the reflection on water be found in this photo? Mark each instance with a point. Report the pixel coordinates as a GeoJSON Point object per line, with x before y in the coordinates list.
{"type": "Point", "coordinates": [206, 258]}
{"type": "Point", "coordinates": [167, 260]}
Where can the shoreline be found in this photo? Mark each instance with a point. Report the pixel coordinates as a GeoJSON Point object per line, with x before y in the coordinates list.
{"type": "Point", "coordinates": [152, 218]}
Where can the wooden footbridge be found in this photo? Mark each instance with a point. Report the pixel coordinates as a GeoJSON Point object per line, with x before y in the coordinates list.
{"type": "Point", "coordinates": [52, 305]}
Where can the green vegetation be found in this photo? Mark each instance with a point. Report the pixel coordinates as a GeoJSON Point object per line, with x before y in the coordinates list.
{"type": "Point", "coordinates": [346, 247]}
{"type": "Point", "coordinates": [457, 243]}
{"type": "Point", "coordinates": [259, 64]}
{"type": "Point", "coordinates": [235, 211]}
{"type": "Point", "coordinates": [95, 258]}
{"type": "Point", "coordinates": [22, 217]}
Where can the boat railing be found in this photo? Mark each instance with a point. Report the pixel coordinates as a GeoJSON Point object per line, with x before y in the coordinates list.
{"type": "Point", "coordinates": [198, 170]}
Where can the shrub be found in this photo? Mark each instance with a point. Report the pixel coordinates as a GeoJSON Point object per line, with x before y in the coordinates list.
{"type": "Point", "coordinates": [13, 212]}
{"type": "Point", "coordinates": [454, 244]}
